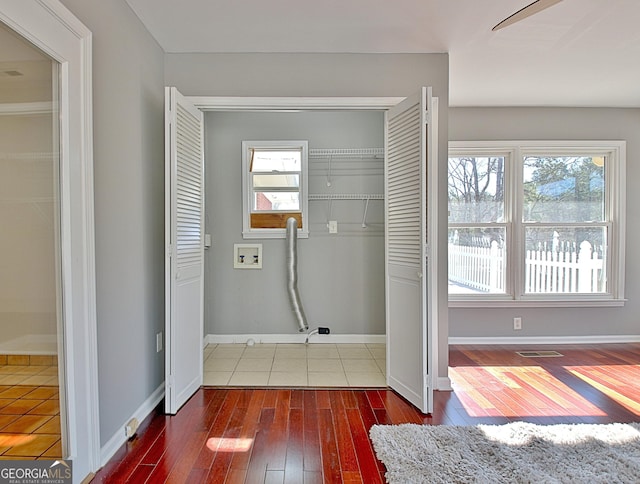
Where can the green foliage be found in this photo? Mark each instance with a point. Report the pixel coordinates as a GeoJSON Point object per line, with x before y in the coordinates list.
{"type": "Point", "coordinates": [563, 189]}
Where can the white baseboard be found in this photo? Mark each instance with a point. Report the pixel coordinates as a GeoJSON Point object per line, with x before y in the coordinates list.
{"type": "Point", "coordinates": [109, 449]}
{"type": "Point", "coordinates": [443, 384]}
{"type": "Point", "coordinates": [31, 344]}
{"type": "Point", "coordinates": [542, 340]}
{"type": "Point", "coordinates": [294, 338]}
{"type": "Point", "coordinates": [381, 338]}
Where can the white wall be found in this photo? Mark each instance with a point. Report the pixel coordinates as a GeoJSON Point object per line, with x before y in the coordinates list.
{"type": "Point", "coordinates": [558, 124]}
{"type": "Point", "coordinates": [128, 93]}
{"type": "Point", "coordinates": [341, 277]}
{"type": "Point", "coordinates": [327, 75]}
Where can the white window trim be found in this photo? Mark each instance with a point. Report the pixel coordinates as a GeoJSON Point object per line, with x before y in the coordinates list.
{"type": "Point", "coordinates": [251, 233]}
{"type": "Point", "coordinates": [615, 174]}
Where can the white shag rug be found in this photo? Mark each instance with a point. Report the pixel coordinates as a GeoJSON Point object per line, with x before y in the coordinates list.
{"type": "Point", "coordinates": [517, 452]}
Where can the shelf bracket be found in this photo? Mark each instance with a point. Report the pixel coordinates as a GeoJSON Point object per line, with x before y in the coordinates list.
{"type": "Point", "coordinates": [364, 215]}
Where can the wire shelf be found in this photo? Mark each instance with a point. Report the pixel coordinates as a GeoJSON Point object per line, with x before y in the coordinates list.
{"type": "Point", "coordinates": [346, 153]}
{"type": "Point", "coordinates": [346, 196]}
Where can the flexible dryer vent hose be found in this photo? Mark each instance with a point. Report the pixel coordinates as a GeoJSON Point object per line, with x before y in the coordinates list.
{"type": "Point", "coordinates": [292, 274]}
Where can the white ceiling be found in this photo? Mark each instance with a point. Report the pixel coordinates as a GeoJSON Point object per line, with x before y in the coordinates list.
{"type": "Point", "coordinates": [576, 53]}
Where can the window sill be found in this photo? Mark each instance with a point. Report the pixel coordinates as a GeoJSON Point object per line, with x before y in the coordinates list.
{"type": "Point", "coordinates": [272, 234]}
{"type": "Point", "coordinates": [537, 303]}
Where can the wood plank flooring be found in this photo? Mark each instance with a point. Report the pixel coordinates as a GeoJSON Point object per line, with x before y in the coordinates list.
{"type": "Point", "coordinates": [296, 435]}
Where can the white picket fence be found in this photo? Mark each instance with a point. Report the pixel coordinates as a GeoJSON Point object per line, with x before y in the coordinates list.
{"type": "Point", "coordinates": [558, 270]}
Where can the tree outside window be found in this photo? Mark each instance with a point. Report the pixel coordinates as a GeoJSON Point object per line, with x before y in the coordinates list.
{"type": "Point", "coordinates": [533, 221]}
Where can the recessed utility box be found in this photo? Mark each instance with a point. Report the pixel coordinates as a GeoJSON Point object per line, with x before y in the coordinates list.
{"type": "Point", "coordinates": [247, 256]}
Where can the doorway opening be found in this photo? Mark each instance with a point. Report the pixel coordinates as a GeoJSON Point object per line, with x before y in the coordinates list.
{"type": "Point", "coordinates": [341, 276]}
{"type": "Point", "coordinates": [52, 29]}
{"type": "Point", "coordinates": [30, 278]}
{"type": "Point", "coordinates": [410, 211]}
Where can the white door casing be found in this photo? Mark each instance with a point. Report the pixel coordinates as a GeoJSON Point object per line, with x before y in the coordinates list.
{"type": "Point", "coordinates": [409, 143]}
{"type": "Point", "coordinates": [416, 296]}
{"type": "Point", "coordinates": [52, 28]}
{"type": "Point", "coordinates": [184, 267]}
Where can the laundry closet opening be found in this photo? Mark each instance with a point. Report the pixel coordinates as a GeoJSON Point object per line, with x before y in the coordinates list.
{"type": "Point", "coordinates": [341, 277]}
{"type": "Point", "coordinates": [409, 174]}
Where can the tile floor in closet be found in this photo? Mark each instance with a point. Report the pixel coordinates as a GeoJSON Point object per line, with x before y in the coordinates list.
{"type": "Point", "coordinates": [295, 365]}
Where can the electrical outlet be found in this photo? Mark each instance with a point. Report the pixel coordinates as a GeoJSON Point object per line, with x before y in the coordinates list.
{"type": "Point", "coordinates": [159, 342]}
{"type": "Point", "coordinates": [517, 323]}
{"type": "Point", "coordinates": [333, 226]}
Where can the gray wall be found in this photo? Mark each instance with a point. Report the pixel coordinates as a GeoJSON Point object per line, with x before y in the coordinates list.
{"type": "Point", "coordinates": [558, 124]}
{"type": "Point", "coordinates": [341, 276]}
{"type": "Point", "coordinates": [308, 74]}
{"type": "Point", "coordinates": [129, 206]}
{"type": "Point", "coordinates": [327, 75]}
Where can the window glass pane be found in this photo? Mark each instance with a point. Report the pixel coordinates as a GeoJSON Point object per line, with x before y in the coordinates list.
{"type": "Point", "coordinates": [564, 189]}
{"type": "Point", "coordinates": [476, 189]}
{"type": "Point", "coordinates": [281, 160]}
{"type": "Point", "coordinates": [477, 260]}
{"type": "Point", "coordinates": [276, 181]}
{"type": "Point", "coordinates": [276, 201]}
{"type": "Point", "coordinates": [565, 260]}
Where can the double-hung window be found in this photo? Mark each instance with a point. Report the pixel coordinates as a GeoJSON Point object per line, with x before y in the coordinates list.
{"type": "Point", "coordinates": [274, 187]}
{"type": "Point", "coordinates": [536, 222]}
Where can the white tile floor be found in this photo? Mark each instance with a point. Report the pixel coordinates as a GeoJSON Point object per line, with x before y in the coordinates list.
{"type": "Point", "coordinates": [295, 365]}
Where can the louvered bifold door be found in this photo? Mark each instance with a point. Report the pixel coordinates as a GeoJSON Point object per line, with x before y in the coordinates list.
{"type": "Point", "coordinates": [184, 268]}
{"type": "Point", "coordinates": [405, 248]}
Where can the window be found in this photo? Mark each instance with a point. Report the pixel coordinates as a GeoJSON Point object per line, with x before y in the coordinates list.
{"type": "Point", "coordinates": [536, 222]}
{"type": "Point", "coordinates": [275, 187]}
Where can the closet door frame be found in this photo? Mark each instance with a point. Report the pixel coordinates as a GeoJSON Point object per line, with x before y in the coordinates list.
{"type": "Point", "coordinates": [230, 103]}
{"type": "Point", "coordinates": [52, 28]}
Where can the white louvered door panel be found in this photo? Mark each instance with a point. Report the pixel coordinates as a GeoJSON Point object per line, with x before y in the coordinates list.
{"type": "Point", "coordinates": [406, 171]}
{"type": "Point", "coordinates": [184, 269]}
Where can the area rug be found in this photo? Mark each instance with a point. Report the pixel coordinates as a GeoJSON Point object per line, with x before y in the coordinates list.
{"type": "Point", "coordinates": [517, 452]}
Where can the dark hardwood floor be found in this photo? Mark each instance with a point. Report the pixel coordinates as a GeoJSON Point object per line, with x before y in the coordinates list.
{"type": "Point", "coordinates": [257, 435]}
